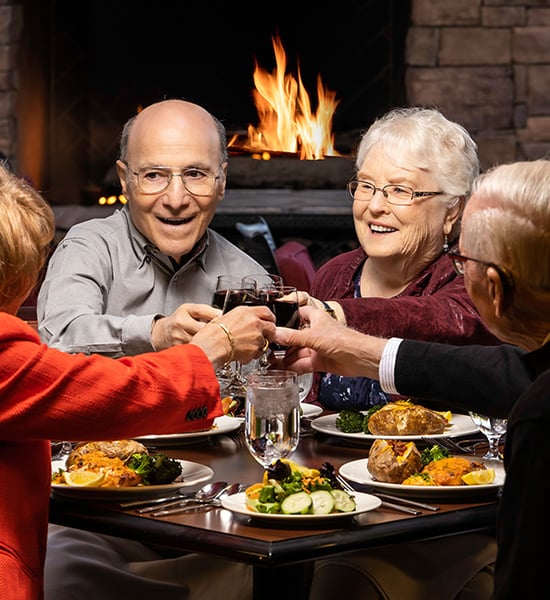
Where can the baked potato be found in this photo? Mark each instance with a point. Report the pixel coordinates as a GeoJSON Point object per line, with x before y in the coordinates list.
{"type": "Point", "coordinates": [392, 461]}
{"type": "Point", "coordinates": [405, 418]}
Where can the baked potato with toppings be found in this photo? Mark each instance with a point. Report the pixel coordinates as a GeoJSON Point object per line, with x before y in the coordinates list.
{"type": "Point", "coordinates": [405, 418]}
{"type": "Point", "coordinates": [392, 461]}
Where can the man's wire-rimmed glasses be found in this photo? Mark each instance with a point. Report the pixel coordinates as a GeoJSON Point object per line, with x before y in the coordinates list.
{"type": "Point", "coordinates": [459, 261]}
{"type": "Point", "coordinates": [155, 180]}
{"type": "Point", "coordinates": [398, 195]}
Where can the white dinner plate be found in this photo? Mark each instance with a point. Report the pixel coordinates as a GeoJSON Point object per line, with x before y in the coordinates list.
{"type": "Point", "coordinates": [237, 504]}
{"type": "Point", "coordinates": [310, 410]}
{"type": "Point", "coordinates": [357, 471]}
{"type": "Point", "coordinates": [191, 474]}
{"type": "Point", "coordinates": [460, 425]}
{"type": "Point", "coordinates": [221, 425]}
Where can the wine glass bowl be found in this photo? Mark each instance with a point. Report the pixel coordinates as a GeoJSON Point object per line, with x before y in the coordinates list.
{"type": "Point", "coordinates": [283, 303]}
{"type": "Point", "coordinates": [231, 292]}
{"type": "Point", "coordinates": [272, 415]}
{"type": "Point", "coordinates": [493, 429]}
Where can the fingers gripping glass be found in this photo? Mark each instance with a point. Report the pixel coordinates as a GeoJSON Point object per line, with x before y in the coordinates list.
{"type": "Point", "coordinates": [155, 180]}
{"type": "Point", "coordinates": [459, 262]}
{"type": "Point", "coordinates": [398, 195]}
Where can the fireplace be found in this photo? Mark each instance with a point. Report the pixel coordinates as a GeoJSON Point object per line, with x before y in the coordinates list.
{"type": "Point", "coordinates": [111, 58]}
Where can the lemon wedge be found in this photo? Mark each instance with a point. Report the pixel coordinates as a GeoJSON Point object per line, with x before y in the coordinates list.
{"type": "Point", "coordinates": [447, 414]}
{"type": "Point", "coordinates": [83, 478]}
{"type": "Point", "coordinates": [304, 471]}
{"type": "Point", "coordinates": [479, 477]}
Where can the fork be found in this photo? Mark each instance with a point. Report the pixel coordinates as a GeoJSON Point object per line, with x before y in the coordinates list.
{"type": "Point", "coordinates": [447, 444]}
{"type": "Point", "coordinates": [385, 504]}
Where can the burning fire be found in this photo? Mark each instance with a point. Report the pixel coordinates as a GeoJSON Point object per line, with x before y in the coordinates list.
{"type": "Point", "coordinates": [287, 123]}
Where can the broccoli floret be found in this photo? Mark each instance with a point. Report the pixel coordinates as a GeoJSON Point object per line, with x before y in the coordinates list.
{"type": "Point", "coordinates": [142, 464]}
{"type": "Point", "coordinates": [155, 469]}
{"type": "Point", "coordinates": [434, 453]}
{"type": "Point", "coordinates": [350, 421]}
{"type": "Point", "coordinates": [165, 469]}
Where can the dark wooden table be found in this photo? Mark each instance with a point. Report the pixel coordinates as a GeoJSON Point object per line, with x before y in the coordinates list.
{"type": "Point", "coordinates": [277, 551]}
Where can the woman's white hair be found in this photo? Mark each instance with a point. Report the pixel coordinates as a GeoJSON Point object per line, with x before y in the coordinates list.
{"type": "Point", "coordinates": [423, 139]}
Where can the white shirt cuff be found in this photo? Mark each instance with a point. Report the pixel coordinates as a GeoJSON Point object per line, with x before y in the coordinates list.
{"type": "Point", "coordinates": [386, 368]}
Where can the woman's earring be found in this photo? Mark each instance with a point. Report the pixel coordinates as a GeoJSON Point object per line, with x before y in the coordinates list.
{"type": "Point", "coordinates": [446, 245]}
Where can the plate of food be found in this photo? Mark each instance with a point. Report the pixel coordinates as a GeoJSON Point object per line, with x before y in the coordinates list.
{"type": "Point", "coordinates": [121, 470]}
{"type": "Point", "coordinates": [400, 420]}
{"type": "Point", "coordinates": [400, 468]}
{"type": "Point", "coordinates": [224, 424]}
{"type": "Point", "coordinates": [237, 504]}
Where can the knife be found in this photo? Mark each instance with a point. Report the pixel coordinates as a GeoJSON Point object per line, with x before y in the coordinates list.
{"type": "Point", "coordinates": [407, 502]}
{"type": "Point", "coordinates": [390, 501]}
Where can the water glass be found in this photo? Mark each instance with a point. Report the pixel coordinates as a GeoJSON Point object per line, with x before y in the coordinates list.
{"type": "Point", "coordinates": [493, 429]}
{"type": "Point", "coordinates": [272, 415]}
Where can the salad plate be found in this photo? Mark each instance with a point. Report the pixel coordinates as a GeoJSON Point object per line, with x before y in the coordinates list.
{"type": "Point", "coordinates": [221, 425]}
{"type": "Point", "coordinates": [459, 425]}
{"type": "Point", "coordinates": [356, 471]}
{"type": "Point", "coordinates": [191, 474]}
{"type": "Point", "coordinates": [237, 504]}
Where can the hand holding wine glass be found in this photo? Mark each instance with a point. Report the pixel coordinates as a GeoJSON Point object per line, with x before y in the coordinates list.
{"type": "Point", "coordinates": [272, 415]}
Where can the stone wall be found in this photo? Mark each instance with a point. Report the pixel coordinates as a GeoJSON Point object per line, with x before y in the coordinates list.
{"type": "Point", "coordinates": [11, 21]}
{"type": "Point", "coordinates": [486, 65]}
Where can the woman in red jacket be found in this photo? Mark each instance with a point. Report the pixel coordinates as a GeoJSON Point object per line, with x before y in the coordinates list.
{"type": "Point", "coordinates": [120, 398]}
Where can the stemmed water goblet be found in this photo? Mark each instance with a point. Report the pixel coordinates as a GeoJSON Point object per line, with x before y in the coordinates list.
{"type": "Point", "coordinates": [493, 429]}
{"type": "Point", "coordinates": [272, 415]}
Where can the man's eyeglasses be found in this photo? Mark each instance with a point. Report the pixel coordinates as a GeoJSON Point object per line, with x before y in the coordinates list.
{"type": "Point", "coordinates": [399, 195]}
{"type": "Point", "coordinates": [459, 264]}
{"type": "Point", "coordinates": [155, 180]}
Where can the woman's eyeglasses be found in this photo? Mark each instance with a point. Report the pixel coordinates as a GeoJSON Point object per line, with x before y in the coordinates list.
{"type": "Point", "coordinates": [398, 195]}
{"type": "Point", "coordinates": [459, 265]}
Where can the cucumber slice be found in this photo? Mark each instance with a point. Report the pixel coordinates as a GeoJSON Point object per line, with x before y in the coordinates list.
{"type": "Point", "coordinates": [343, 502]}
{"type": "Point", "coordinates": [296, 504]}
{"type": "Point", "coordinates": [323, 502]}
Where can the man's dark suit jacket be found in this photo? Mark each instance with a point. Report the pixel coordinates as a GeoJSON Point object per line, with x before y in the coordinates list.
{"type": "Point", "coordinates": [487, 379]}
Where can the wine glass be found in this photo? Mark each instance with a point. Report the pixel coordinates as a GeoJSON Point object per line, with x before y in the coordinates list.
{"type": "Point", "coordinates": [272, 415]}
{"type": "Point", "coordinates": [265, 283]}
{"type": "Point", "coordinates": [237, 293]}
{"type": "Point", "coordinates": [223, 283]}
{"type": "Point", "coordinates": [493, 429]}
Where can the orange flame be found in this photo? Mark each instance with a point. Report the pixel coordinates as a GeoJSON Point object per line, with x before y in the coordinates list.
{"type": "Point", "coordinates": [287, 123]}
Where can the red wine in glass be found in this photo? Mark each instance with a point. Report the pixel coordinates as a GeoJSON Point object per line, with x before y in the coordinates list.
{"type": "Point", "coordinates": [283, 303]}
{"type": "Point", "coordinates": [219, 299]}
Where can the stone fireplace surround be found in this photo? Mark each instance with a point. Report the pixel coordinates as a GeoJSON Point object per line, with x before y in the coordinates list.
{"type": "Point", "coordinates": [484, 63]}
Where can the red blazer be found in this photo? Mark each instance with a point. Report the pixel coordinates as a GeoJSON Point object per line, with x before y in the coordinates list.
{"type": "Point", "coordinates": [46, 394]}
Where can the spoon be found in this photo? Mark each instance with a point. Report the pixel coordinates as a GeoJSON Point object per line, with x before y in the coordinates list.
{"type": "Point", "coordinates": [207, 493]}
{"type": "Point", "coordinates": [208, 490]}
{"type": "Point", "coordinates": [228, 490]}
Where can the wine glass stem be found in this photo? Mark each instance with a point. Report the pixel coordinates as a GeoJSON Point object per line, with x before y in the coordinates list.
{"type": "Point", "coordinates": [493, 451]}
